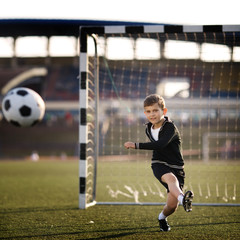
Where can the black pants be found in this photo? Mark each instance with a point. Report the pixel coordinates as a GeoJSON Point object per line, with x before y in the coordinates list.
{"type": "Point", "coordinates": [160, 169]}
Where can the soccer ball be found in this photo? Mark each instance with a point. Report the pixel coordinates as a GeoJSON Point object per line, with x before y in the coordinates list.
{"type": "Point", "coordinates": [23, 107]}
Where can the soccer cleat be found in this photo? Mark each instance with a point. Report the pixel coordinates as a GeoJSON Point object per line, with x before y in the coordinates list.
{"type": "Point", "coordinates": [164, 227]}
{"type": "Point", "coordinates": [187, 201]}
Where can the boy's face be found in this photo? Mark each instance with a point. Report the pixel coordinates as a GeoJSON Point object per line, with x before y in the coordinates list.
{"type": "Point", "coordinates": [154, 114]}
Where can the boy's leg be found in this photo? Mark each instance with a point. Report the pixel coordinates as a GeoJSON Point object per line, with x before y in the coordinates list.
{"type": "Point", "coordinates": [169, 208]}
{"type": "Point", "coordinates": [171, 205]}
{"type": "Point", "coordinates": [173, 184]}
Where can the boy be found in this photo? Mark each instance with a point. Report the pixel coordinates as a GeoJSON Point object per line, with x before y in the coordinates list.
{"type": "Point", "coordinates": [167, 160]}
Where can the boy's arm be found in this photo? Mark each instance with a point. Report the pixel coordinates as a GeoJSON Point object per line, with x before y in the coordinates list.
{"type": "Point", "coordinates": [166, 137]}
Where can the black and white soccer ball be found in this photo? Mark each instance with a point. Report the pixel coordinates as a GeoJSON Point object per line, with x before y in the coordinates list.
{"type": "Point", "coordinates": [23, 107]}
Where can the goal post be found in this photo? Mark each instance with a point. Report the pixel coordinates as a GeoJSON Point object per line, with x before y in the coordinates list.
{"type": "Point", "coordinates": [88, 129]}
{"type": "Point", "coordinates": [228, 148]}
{"type": "Point", "coordinates": [196, 69]}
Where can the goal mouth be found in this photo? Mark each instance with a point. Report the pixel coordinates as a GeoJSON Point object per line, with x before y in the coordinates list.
{"type": "Point", "coordinates": [197, 70]}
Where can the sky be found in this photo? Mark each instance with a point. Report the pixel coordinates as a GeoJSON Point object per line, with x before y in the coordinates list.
{"type": "Point", "coordinates": [204, 12]}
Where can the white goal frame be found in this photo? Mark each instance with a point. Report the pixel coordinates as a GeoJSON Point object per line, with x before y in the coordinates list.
{"type": "Point", "coordinates": [83, 88]}
{"type": "Point", "coordinates": [214, 135]}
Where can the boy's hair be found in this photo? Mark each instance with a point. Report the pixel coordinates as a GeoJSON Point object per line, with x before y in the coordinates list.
{"type": "Point", "coordinates": [154, 98]}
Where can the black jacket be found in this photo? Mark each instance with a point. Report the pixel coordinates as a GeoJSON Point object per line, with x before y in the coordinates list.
{"type": "Point", "coordinates": [168, 147]}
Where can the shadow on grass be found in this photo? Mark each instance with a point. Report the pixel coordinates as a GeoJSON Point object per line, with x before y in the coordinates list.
{"type": "Point", "coordinates": [88, 235]}
{"type": "Point", "coordinates": [109, 233]}
{"type": "Point", "coordinates": [68, 234]}
{"type": "Point", "coordinates": [96, 234]}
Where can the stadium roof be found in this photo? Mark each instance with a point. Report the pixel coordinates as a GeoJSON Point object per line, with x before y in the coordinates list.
{"type": "Point", "coordinates": [52, 27]}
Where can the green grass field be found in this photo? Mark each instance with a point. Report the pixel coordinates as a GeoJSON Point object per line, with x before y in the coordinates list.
{"type": "Point", "coordinates": [40, 201]}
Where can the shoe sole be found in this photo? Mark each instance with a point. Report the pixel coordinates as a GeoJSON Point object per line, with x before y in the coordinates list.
{"type": "Point", "coordinates": [164, 230]}
{"type": "Point", "coordinates": [188, 201]}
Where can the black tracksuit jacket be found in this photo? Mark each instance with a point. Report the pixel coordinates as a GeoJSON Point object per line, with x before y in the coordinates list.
{"type": "Point", "coordinates": [168, 148]}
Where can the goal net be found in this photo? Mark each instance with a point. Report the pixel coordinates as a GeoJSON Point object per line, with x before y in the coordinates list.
{"type": "Point", "coordinates": [197, 70]}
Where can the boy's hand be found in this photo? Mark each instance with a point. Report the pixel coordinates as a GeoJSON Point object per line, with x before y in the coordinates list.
{"type": "Point", "coordinates": [129, 145]}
